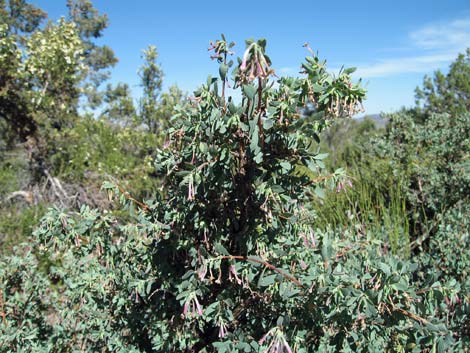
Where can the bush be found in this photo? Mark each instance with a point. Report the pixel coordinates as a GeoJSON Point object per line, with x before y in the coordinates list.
{"type": "Point", "coordinates": [97, 149]}
{"type": "Point", "coordinates": [225, 258]}
{"type": "Point", "coordinates": [431, 160]}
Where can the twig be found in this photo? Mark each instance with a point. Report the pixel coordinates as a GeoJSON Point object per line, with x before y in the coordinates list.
{"type": "Point", "coordinates": [410, 315]}
{"type": "Point", "coordinates": [260, 122]}
{"type": "Point", "coordinates": [59, 191]}
{"type": "Point", "coordinates": [128, 196]}
{"type": "Point", "coordinates": [266, 264]}
{"type": "Point", "coordinates": [2, 311]}
{"type": "Point", "coordinates": [27, 195]}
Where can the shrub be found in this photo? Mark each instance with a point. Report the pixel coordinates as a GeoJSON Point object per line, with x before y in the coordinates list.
{"type": "Point", "coordinates": [225, 258]}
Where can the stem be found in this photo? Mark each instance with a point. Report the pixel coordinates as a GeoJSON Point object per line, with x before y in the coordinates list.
{"type": "Point", "coordinates": [223, 82]}
{"type": "Point", "coordinates": [266, 264]}
{"type": "Point", "coordinates": [260, 123]}
{"type": "Point", "coordinates": [128, 196]}
{"type": "Point", "coordinates": [43, 92]}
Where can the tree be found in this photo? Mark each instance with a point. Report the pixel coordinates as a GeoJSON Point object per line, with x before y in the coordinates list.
{"type": "Point", "coordinates": [151, 77]}
{"type": "Point", "coordinates": [156, 107]}
{"type": "Point", "coordinates": [18, 19]}
{"type": "Point", "coordinates": [17, 119]}
{"type": "Point", "coordinates": [98, 58]}
{"type": "Point", "coordinates": [40, 79]}
{"type": "Point", "coordinates": [20, 16]}
{"type": "Point", "coordinates": [119, 104]}
{"type": "Point", "coordinates": [447, 93]}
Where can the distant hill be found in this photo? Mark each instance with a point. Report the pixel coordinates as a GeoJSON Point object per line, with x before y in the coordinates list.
{"type": "Point", "coordinates": [379, 120]}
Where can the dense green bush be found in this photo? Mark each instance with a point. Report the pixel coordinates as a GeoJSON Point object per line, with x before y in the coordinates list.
{"type": "Point", "coordinates": [430, 160]}
{"type": "Point", "coordinates": [447, 259]}
{"type": "Point", "coordinates": [233, 233]}
{"type": "Point", "coordinates": [226, 258]}
{"type": "Point", "coordinates": [104, 289]}
{"type": "Point", "coordinates": [403, 178]}
{"type": "Point", "coordinates": [98, 147]}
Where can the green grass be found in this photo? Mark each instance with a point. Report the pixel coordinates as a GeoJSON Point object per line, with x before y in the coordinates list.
{"type": "Point", "coordinates": [373, 204]}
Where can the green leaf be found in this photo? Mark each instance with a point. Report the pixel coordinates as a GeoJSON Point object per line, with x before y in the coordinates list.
{"type": "Point", "coordinates": [321, 156]}
{"type": "Point", "coordinates": [221, 249]}
{"type": "Point", "coordinates": [254, 141]}
{"type": "Point", "coordinates": [182, 173]}
{"type": "Point", "coordinates": [259, 157]}
{"type": "Point", "coordinates": [203, 147]}
{"type": "Point", "coordinates": [267, 280]}
{"type": "Point", "coordinates": [268, 123]}
{"type": "Point", "coordinates": [232, 108]}
{"type": "Point", "coordinates": [221, 347]}
{"type": "Point", "coordinates": [349, 71]}
{"type": "Point", "coordinates": [384, 268]}
{"type": "Point", "coordinates": [223, 69]}
{"type": "Point", "coordinates": [320, 192]}
{"type": "Point", "coordinates": [249, 91]}
{"type": "Point", "coordinates": [286, 166]}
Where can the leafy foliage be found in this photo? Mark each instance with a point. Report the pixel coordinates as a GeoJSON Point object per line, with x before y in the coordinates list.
{"type": "Point", "coordinates": [431, 159]}
{"type": "Point", "coordinates": [230, 249]}
{"type": "Point", "coordinates": [152, 80]}
{"type": "Point", "coordinates": [119, 104]}
{"type": "Point", "coordinates": [40, 83]}
{"type": "Point", "coordinates": [62, 153]}
{"type": "Point", "coordinates": [20, 16]}
{"type": "Point", "coordinates": [96, 148]}
{"type": "Point", "coordinates": [226, 257]}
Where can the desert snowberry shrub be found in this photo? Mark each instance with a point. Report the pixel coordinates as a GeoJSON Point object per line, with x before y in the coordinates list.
{"type": "Point", "coordinates": [226, 257]}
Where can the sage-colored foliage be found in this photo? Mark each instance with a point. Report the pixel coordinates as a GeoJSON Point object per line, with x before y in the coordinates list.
{"type": "Point", "coordinates": [430, 159]}
{"type": "Point", "coordinates": [403, 179]}
{"type": "Point", "coordinates": [226, 257]}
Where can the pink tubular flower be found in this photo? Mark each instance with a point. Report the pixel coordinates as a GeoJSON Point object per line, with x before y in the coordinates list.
{"type": "Point", "coordinates": [309, 240]}
{"type": "Point", "coordinates": [186, 308]}
{"type": "Point", "coordinates": [222, 329]}
{"type": "Point", "coordinates": [278, 342]}
{"type": "Point", "coordinates": [201, 273]}
{"type": "Point", "coordinates": [342, 185]}
{"type": "Point", "coordinates": [287, 347]}
{"type": "Point", "coordinates": [313, 243]}
{"type": "Point", "coordinates": [245, 58]}
{"type": "Point", "coordinates": [233, 274]}
{"type": "Point", "coordinates": [190, 190]}
{"type": "Point", "coordinates": [192, 307]}
{"type": "Point", "coordinates": [198, 306]}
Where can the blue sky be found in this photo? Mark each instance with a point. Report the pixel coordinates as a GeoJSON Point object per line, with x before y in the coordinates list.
{"type": "Point", "coordinates": [393, 43]}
